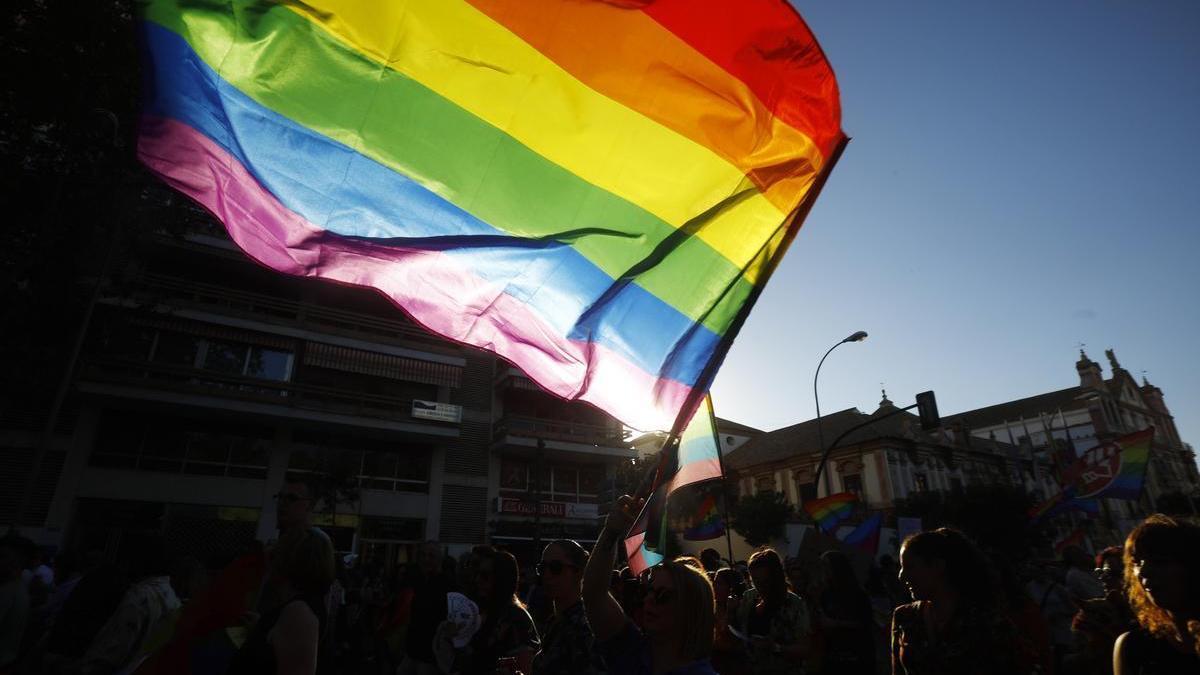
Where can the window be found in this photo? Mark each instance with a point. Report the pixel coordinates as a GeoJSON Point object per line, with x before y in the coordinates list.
{"type": "Point", "coordinates": [808, 491]}
{"type": "Point", "coordinates": [920, 484]}
{"type": "Point", "coordinates": [514, 475]}
{"type": "Point", "coordinates": [853, 484]}
{"type": "Point", "coordinates": [226, 357]}
{"type": "Point", "coordinates": [269, 364]}
{"type": "Point", "coordinates": [371, 463]}
{"type": "Point", "coordinates": [764, 483]}
{"type": "Point", "coordinates": [178, 445]}
{"type": "Point", "coordinates": [190, 351]}
{"type": "Point", "coordinates": [126, 340]}
{"type": "Point", "coordinates": [590, 480]}
{"type": "Point", "coordinates": [176, 349]}
{"type": "Point", "coordinates": [560, 482]}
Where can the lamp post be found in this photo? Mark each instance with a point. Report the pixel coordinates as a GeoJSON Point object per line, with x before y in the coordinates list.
{"type": "Point", "coordinates": [857, 336]}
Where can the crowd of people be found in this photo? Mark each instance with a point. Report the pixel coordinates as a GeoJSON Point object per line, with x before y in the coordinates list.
{"type": "Point", "coordinates": [296, 607]}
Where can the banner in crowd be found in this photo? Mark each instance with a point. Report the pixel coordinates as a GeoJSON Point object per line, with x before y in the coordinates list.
{"type": "Point", "coordinates": [1112, 470]}
{"type": "Point", "coordinates": [595, 191]}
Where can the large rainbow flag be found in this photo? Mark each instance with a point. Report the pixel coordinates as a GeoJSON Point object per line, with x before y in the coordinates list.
{"type": "Point", "coordinates": [596, 191]}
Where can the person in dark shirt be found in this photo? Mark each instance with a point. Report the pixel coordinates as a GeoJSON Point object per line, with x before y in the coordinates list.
{"type": "Point", "coordinates": [428, 611]}
{"type": "Point", "coordinates": [567, 644]}
{"type": "Point", "coordinates": [679, 610]}
{"type": "Point", "coordinates": [287, 638]}
{"type": "Point", "coordinates": [847, 619]}
{"type": "Point", "coordinates": [1162, 578]}
{"type": "Point", "coordinates": [955, 626]}
{"type": "Point", "coordinates": [1100, 621]}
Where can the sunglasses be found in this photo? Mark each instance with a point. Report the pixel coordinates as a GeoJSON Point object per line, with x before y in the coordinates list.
{"type": "Point", "coordinates": [553, 566]}
{"type": "Point", "coordinates": [660, 596]}
{"type": "Point", "coordinates": [289, 498]}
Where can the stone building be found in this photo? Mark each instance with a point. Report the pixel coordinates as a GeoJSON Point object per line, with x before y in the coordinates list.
{"type": "Point", "coordinates": [1059, 425]}
{"type": "Point", "coordinates": [888, 458]}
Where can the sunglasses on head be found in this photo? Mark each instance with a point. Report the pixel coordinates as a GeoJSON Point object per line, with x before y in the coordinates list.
{"type": "Point", "coordinates": [554, 566]}
{"type": "Point", "coordinates": [660, 596]}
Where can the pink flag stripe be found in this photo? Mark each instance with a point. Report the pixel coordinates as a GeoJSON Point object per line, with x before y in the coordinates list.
{"type": "Point", "coordinates": [694, 472]}
{"type": "Point", "coordinates": [434, 289]}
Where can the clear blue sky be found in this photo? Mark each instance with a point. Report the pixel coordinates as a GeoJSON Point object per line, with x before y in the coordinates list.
{"type": "Point", "coordinates": [1023, 177]}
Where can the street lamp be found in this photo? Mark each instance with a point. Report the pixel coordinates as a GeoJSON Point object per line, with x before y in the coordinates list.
{"type": "Point", "coordinates": [857, 336]}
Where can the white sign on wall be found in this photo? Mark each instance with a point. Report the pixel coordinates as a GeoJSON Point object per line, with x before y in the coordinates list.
{"type": "Point", "coordinates": [438, 412]}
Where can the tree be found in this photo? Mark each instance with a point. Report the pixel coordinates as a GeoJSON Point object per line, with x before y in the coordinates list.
{"type": "Point", "coordinates": [760, 518]}
{"type": "Point", "coordinates": [74, 191]}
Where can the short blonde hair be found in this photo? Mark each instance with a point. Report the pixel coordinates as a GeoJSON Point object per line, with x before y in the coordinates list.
{"type": "Point", "coordinates": [304, 557]}
{"type": "Point", "coordinates": [695, 614]}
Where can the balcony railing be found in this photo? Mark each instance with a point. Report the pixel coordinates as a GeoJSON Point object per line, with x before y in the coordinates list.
{"type": "Point", "coordinates": [559, 430]}
{"type": "Point", "coordinates": [203, 295]}
{"type": "Point", "coordinates": [177, 379]}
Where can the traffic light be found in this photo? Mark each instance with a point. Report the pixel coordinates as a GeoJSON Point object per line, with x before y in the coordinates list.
{"type": "Point", "coordinates": [928, 411]}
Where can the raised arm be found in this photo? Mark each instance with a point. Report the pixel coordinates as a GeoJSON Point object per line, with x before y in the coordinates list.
{"type": "Point", "coordinates": [603, 611]}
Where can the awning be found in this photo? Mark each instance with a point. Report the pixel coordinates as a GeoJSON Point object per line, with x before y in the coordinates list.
{"type": "Point", "coordinates": [364, 362]}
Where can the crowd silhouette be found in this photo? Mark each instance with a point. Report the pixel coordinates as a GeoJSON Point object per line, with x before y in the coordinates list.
{"type": "Point", "coordinates": [294, 607]}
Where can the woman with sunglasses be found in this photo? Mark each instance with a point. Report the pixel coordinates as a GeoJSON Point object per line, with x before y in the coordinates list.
{"type": "Point", "coordinates": [678, 619]}
{"type": "Point", "coordinates": [1100, 621]}
{"type": "Point", "coordinates": [567, 642]}
{"type": "Point", "coordinates": [1162, 578]}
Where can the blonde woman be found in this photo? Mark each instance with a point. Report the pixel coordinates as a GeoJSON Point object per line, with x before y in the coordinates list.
{"type": "Point", "coordinates": [678, 610]}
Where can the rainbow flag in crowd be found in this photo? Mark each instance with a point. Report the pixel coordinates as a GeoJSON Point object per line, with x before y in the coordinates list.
{"type": "Point", "coordinates": [688, 488]}
{"type": "Point", "coordinates": [708, 521]}
{"type": "Point", "coordinates": [595, 191]}
{"type": "Point", "coordinates": [831, 510]}
{"type": "Point", "coordinates": [865, 537]}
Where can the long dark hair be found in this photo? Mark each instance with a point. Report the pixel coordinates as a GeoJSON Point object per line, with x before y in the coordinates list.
{"type": "Point", "coordinates": [967, 570]}
{"type": "Point", "coordinates": [776, 589]}
{"type": "Point", "coordinates": [505, 575]}
{"type": "Point", "coordinates": [1161, 536]}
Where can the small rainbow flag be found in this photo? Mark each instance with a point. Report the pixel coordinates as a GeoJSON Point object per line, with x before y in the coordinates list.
{"type": "Point", "coordinates": [831, 510]}
{"type": "Point", "coordinates": [865, 537]}
{"type": "Point", "coordinates": [595, 191]}
{"type": "Point", "coordinates": [708, 521]}
{"type": "Point", "coordinates": [688, 475]}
